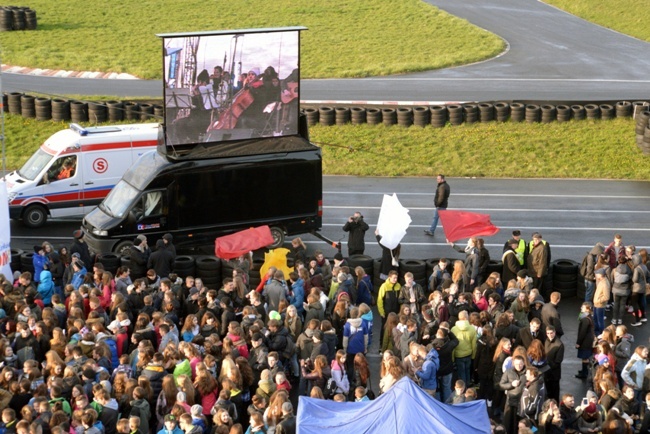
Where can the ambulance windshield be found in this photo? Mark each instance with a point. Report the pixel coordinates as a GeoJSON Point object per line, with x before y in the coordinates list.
{"type": "Point", "coordinates": [119, 200]}
{"type": "Point", "coordinates": [35, 165]}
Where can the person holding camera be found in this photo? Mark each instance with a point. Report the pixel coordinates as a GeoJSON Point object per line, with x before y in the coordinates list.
{"type": "Point", "coordinates": [357, 228]}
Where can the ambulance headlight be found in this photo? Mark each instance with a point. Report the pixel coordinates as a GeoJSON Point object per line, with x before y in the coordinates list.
{"type": "Point", "coordinates": [100, 233]}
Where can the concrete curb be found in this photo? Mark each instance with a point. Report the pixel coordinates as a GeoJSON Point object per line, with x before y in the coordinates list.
{"type": "Point", "coordinates": [10, 69]}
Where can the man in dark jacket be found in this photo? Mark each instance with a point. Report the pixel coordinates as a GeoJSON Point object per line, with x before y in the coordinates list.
{"type": "Point", "coordinates": [513, 382]}
{"type": "Point", "coordinates": [278, 338]}
{"type": "Point", "coordinates": [550, 315]}
{"type": "Point", "coordinates": [511, 264]}
{"type": "Point", "coordinates": [79, 246]}
{"type": "Point", "coordinates": [554, 349]}
{"type": "Point", "coordinates": [440, 201]}
{"type": "Point", "coordinates": [162, 260]}
{"type": "Point", "coordinates": [538, 261]}
{"type": "Point", "coordinates": [357, 228]}
{"type": "Point", "coordinates": [288, 423]}
{"type": "Point", "coordinates": [138, 264]}
{"type": "Point", "coordinates": [445, 343]}
{"type": "Point", "coordinates": [590, 274]}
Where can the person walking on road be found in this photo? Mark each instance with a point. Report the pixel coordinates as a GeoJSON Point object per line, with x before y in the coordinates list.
{"type": "Point", "coordinates": [538, 262]}
{"type": "Point", "coordinates": [357, 228]}
{"type": "Point", "coordinates": [440, 202]}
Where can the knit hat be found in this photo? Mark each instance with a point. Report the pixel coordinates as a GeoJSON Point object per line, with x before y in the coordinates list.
{"type": "Point", "coordinates": [76, 255]}
{"type": "Point", "coordinates": [591, 409]}
{"type": "Point", "coordinates": [591, 395]}
{"type": "Point", "coordinates": [89, 373]}
{"type": "Point", "coordinates": [197, 410]}
{"type": "Point", "coordinates": [275, 315]}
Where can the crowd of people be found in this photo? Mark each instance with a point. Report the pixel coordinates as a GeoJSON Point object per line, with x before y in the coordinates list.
{"type": "Point", "coordinates": [145, 351]}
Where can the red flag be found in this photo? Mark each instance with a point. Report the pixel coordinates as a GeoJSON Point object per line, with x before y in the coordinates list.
{"type": "Point", "coordinates": [459, 224]}
{"type": "Point", "coordinates": [234, 245]}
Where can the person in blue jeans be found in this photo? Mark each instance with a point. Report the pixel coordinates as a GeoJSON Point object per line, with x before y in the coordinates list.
{"type": "Point", "coordinates": [440, 201]}
{"type": "Point", "coordinates": [466, 349]}
{"type": "Point", "coordinates": [445, 343]}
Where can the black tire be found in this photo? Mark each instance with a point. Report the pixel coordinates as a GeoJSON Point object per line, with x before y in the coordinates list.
{"type": "Point", "coordinates": [123, 248]}
{"type": "Point", "coordinates": [566, 278]}
{"type": "Point", "coordinates": [146, 112]}
{"type": "Point", "coordinates": [566, 293]}
{"type": "Point", "coordinates": [312, 116]}
{"type": "Point", "coordinates": [495, 266]}
{"type": "Point", "coordinates": [184, 262]}
{"type": "Point", "coordinates": [364, 261]}
{"type": "Point", "coordinates": [358, 115]}
{"type": "Point", "coordinates": [342, 115]}
{"type": "Point", "coordinates": [125, 261]}
{"type": "Point", "coordinates": [389, 116]}
{"type": "Point", "coordinates": [109, 260]}
{"type": "Point", "coordinates": [565, 266]}
{"type": "Point", "coordinates": [278, 237]}
{"type": "Point", "coordinates": [26, 262]}
{"type": "Point", "coordinates": [131, 111]}
{"type": "Point", "coordinates": [376, 271]}
{"type": "Point", "coordinates": [60, 110]}
{"type": "Point", "coordinates": [326, 116]}
{"type": "Point", "coordinates": [207, 263]}
{"type": "Point", "coordinates": [35, 216]}
{"type": "Point", "coordinates": [623, 109]}
{"type": "Point", "coordinates": [565, 285]}
{"type": "Point", "coordinates": [373, 116]}
{"type": "Point", "coordinates": [404, 117]}
{"type": "Point", "coordinates": [78, 111]}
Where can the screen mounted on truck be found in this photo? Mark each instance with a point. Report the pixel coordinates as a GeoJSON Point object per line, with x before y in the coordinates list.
{"type": "Point", "coordinates": [228, 86]}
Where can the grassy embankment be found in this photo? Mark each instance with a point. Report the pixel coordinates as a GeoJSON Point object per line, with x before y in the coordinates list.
{"type": "Point", "coordinates": [119, 36]}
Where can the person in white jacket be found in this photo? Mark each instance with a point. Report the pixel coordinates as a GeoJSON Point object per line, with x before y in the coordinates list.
{"type": "Point", "coordinates": [634, 369]}
{"type": "Point", "coordinates": [339, 374]}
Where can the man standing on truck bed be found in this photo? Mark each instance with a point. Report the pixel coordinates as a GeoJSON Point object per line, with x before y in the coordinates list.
{"type": "Point", "coordinates": [357, 228]}
{"type": "Point", "coordinates": [440, 202]}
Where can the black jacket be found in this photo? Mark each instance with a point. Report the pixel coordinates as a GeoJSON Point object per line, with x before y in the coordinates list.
{"type": "Point", "coordinates": [162, 260]}
{"type": "Point", "coordinates": [513, 394]}
{"type": "Point", "coordinates": [554, 357]}
{"type": "Point", "coordinates": [287, 425]}
{"type": "Point", "coordinates": [445, 354]}
{"type": "Point", "coordinates": [483, 363]}
{"type": "Point", "coordinates": [441, 198]}
{"type": "Point", "coordinates": [357, 231]}
{"type": "Point", "coordinates": [550, 316]}
{"type": "Point", "coordinates": [138, 263]}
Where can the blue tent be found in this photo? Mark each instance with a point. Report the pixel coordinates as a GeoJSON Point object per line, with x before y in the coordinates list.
{"type": "Point", "coordinates": [404, 408]}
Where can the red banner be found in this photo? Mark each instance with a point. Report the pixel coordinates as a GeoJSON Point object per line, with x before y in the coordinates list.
{"type": "Point", "coordinates": [460, 224]}
{"type": "Point", "coordinates": [234, 245]}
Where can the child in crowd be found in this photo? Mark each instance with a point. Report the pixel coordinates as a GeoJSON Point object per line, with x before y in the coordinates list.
{"type": "Point", "coordinates": [458, 395]}
{"type": "Point", "coordinates": [134, 425]}
{"type": "Point", "coordinates": [281, 382]}
{"type": "Point", "coordinates": [360, 394]}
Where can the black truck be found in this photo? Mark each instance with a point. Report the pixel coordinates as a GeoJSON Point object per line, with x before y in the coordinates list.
{"type": "Point", "coordinates": [210, 192]}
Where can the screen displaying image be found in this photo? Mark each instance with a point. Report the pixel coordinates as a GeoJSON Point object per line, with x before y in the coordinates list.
{"type": "Point", "coordinates": [236, 86]}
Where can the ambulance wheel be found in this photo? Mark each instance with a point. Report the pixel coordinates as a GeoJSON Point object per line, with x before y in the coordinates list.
{"type": "Point", "coordinates": [35, 216]}
{"type": "Point", "coordinates": [278, 237]}
{"type": "Point", "coordinates": [123, 248]}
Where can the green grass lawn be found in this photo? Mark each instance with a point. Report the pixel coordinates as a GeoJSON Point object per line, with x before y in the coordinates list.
{"type": "Point", "coordinates": [577, 149]}
{"type": "Point", "coordinates": [582, 149]}
{"type": "Point", "coordinates": [346, 38]}
{"type": "Point", "coordinates": [626, 16]}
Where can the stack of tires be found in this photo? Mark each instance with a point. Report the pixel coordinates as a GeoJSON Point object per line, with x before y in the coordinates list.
{"type": "Point", "coordinates": [439, 115]}
{"type": "Point", "coordinates": [312, 116]}
{"type": "Point", "coordinates": [565, 277]}
{"type": "Point", "coordinates": [533, 113]}
{"type": "Point", "coordinates": [209, 269]}
{"type": "Point", "coordinates": [184, 266]}
{"type": "Point", "coordinates": [405, 117]}
{"type": "Point", "coordinates": [495, 266]}
{"type": "Point", "coordinates": [421, 116]}
{"type": "Point", "coordinates": [416, 266]}
{"type": "Point", "coordinates": [254, 277]}
{"type": "Point", "coordinates": [111, 262]}
{"type": "Point", "coordinates": [373, 116]}
{"type": "Point", "coordinates": [15, 260]}
{"type": "Point", "coordinates": [341, 115]}
{"type": "Point", "coordinates": [471, 113]}
{"type": "Point", "coordinates": [517, 112]}
{"type": "Point", "coordinates": [389, 116]}
{"type": "Point", "coordinates": [358, 115]}
{"type": "Point", "coordinates": [27, 262]}
{"type": "Point", "coordinates": [326, 116]}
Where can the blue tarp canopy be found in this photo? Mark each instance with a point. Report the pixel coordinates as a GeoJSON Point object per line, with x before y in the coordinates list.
{"type": "Point", "coordinates": [404, 408]}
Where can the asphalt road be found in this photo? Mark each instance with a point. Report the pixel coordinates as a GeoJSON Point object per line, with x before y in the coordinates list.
{"type": "Point", "coordinates": [551, 55]}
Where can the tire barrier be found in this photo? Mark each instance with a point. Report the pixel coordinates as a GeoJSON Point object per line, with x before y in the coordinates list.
{"type": "Point", "coordinates": [563, 113]}
{"type": "Point", "coordinates": [158, 111]}
{"type": "Point", "coordinates": [27, 106]}
{"type": "Point", "coordinates": [422, 116]}
{"type": "Point", "coordinates": [13, 102]}
{"type": "Point", "coordinates": [27, 262]}
{"type": "Point", "coordinates": [471, 113]}
{"type": "Point", "coordinates": [642, 129]}
{"type": "Point", "coordinates": [456, 116]}
{"type": "Point", "coordinates": [111, 262]}
{"type": "Point", "coordinates": [363, 261]}
{"type": "Point", "coordinates": [115, 111]}
{"type": "Point", "coordinates": [60, 110]}
{"type": "Point", "coordinates": [43, 109]}
{"type": "Point", "coordinates": [565, 277]}
{"type": "Point", "coordinates": [486, 112]}
{"type": "Point", "coordinates": [607, 112]}
{"type": "Point", "coordinates": [146, 111]}
{"type": "Point", "coordinates": [405, 117]}
{"type": "Point", "coordinates": [517, 112]}
{"type": "Point", "coordinates": [495, 266]}
{"type": "Point", "coordinates": [312, 116]}
{"type": "Point", "coordinates": [341, 115]}
{"type": "Point", "coordinates": [593, 111]}
{"type": "Point", "coordinates": [78, 111]}
{"type": "Point", "coordinates": [440, 114]}
{"type": "Point", "coordinates": [416, 266]}
{"type": "Point", "coordinates": [184, 266]}
{"type": "Point", "coordinates": [15, 259]}
{"type": "Point", "coordinates": [97, 113]}
{"type": "Point", "coordinates": [373, 116]}
{"type": "Point", "coordinates": [131, 111]}
{"type": "Point", "coordinates": [623, 109]}
{"type": "Point", "coordinates": [502, 111]}
{"type": "Point", "coordinates": [388, 116]}
{"type": "Point", "coordinates": [533, 113]}
{"type": "Point", "coordinates": [326, 116]}
{"type": "Point", "coordinates": [17, 18]}
{"type": "Point", "coordinates": [578, 112]}
{"type": "Point", "coordinates": [549, 113]}
{"type": "Point", "coordinates": [210, 269]}
{"type": "Point", "coordinates": [358, 115]}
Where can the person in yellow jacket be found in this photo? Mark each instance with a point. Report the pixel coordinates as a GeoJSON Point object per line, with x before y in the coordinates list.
{"type": "Point", "coordinates": [465, 352]}
{"type": "Point", "coordinates": [388, 299]}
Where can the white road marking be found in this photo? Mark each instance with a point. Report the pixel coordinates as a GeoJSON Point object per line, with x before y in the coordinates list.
{"type": "Point", "coordinates": [555, 196]}
{"type": "Point", "coordinates": [601, 211]}
{"type": "Point", "coordinates": [532, 228]}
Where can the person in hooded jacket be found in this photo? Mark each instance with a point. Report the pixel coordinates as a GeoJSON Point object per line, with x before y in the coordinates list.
{"type": "Point", "coordinates": [445, 343]}
{"type": "Point", "coordinates": [80, 247]}
{"type": "Point", "coordinates": [108, 415]}
{"type": "Point", "coordinates": [639, 279]}
{"type": "Point", "coordinates": [428, 374]}
{"type": "Point", "coordinates": [57, 269]}
{"type": "Point", "coordinates": [484, 362]}
{"type": "Point", "coordinates": [465, 352]}
{"type": "Point", "coordinates": [513, 382]}
{"type": "Point", "coordinates": [355, 339]}
{"type": "Point", "coordinates": [161, 260]}
{"type": "Point", "coordinates": [622, 351]}
{"type": "Point", "coordinates": [40, 262]}
{"type": "Point", "coordinates": [511, 265]}
{"type": "Point", "coordinates": [388, 299]}
{"type": "Point", "coordinates": [46, 287]}
{"type": "Point", "coordinates": [621, 288]}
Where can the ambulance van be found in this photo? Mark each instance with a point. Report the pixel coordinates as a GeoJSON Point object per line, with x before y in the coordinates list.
{"type": "Point", "coordinates": [75, 169]}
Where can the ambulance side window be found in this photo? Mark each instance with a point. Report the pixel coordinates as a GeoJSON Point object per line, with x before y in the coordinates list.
{"type": "Point", "coordinates": [62, 168]}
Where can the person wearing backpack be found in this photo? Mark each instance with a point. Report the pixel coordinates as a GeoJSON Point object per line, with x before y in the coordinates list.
{"type": "Point", "coordinates": [339, 374]}
{"type": "Point", "coordinates": [388, 299]}
{"type": "Point", "coordinates": [639, 279]}
{"type": "Point", "coordinates": [355, 338]}
{"type": "Point", "coordinates": [588, 268]}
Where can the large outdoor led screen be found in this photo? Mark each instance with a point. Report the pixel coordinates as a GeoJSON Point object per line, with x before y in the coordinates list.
{"type": "Point", "coordinates": [224, 86]}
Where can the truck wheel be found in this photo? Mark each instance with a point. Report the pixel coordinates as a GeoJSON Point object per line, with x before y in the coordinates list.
{"type": "Point", "coordinates": [123, 248]}
{"type": "Point", "coordinates": [278, 237]}
{"type": "Point", "coordinates": [35, 216]}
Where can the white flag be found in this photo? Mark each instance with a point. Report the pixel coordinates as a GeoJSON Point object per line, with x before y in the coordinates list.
{"type": "Point", "coordinates": [393, 221]}
{"type": "Point", "coordinates": [5, 234]}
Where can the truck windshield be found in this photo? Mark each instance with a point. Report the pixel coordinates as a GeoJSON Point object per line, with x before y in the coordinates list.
{"type": "Point", "coordinates": [119, 200]}
{"type": "Point", "coordinates": [35, 165]}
